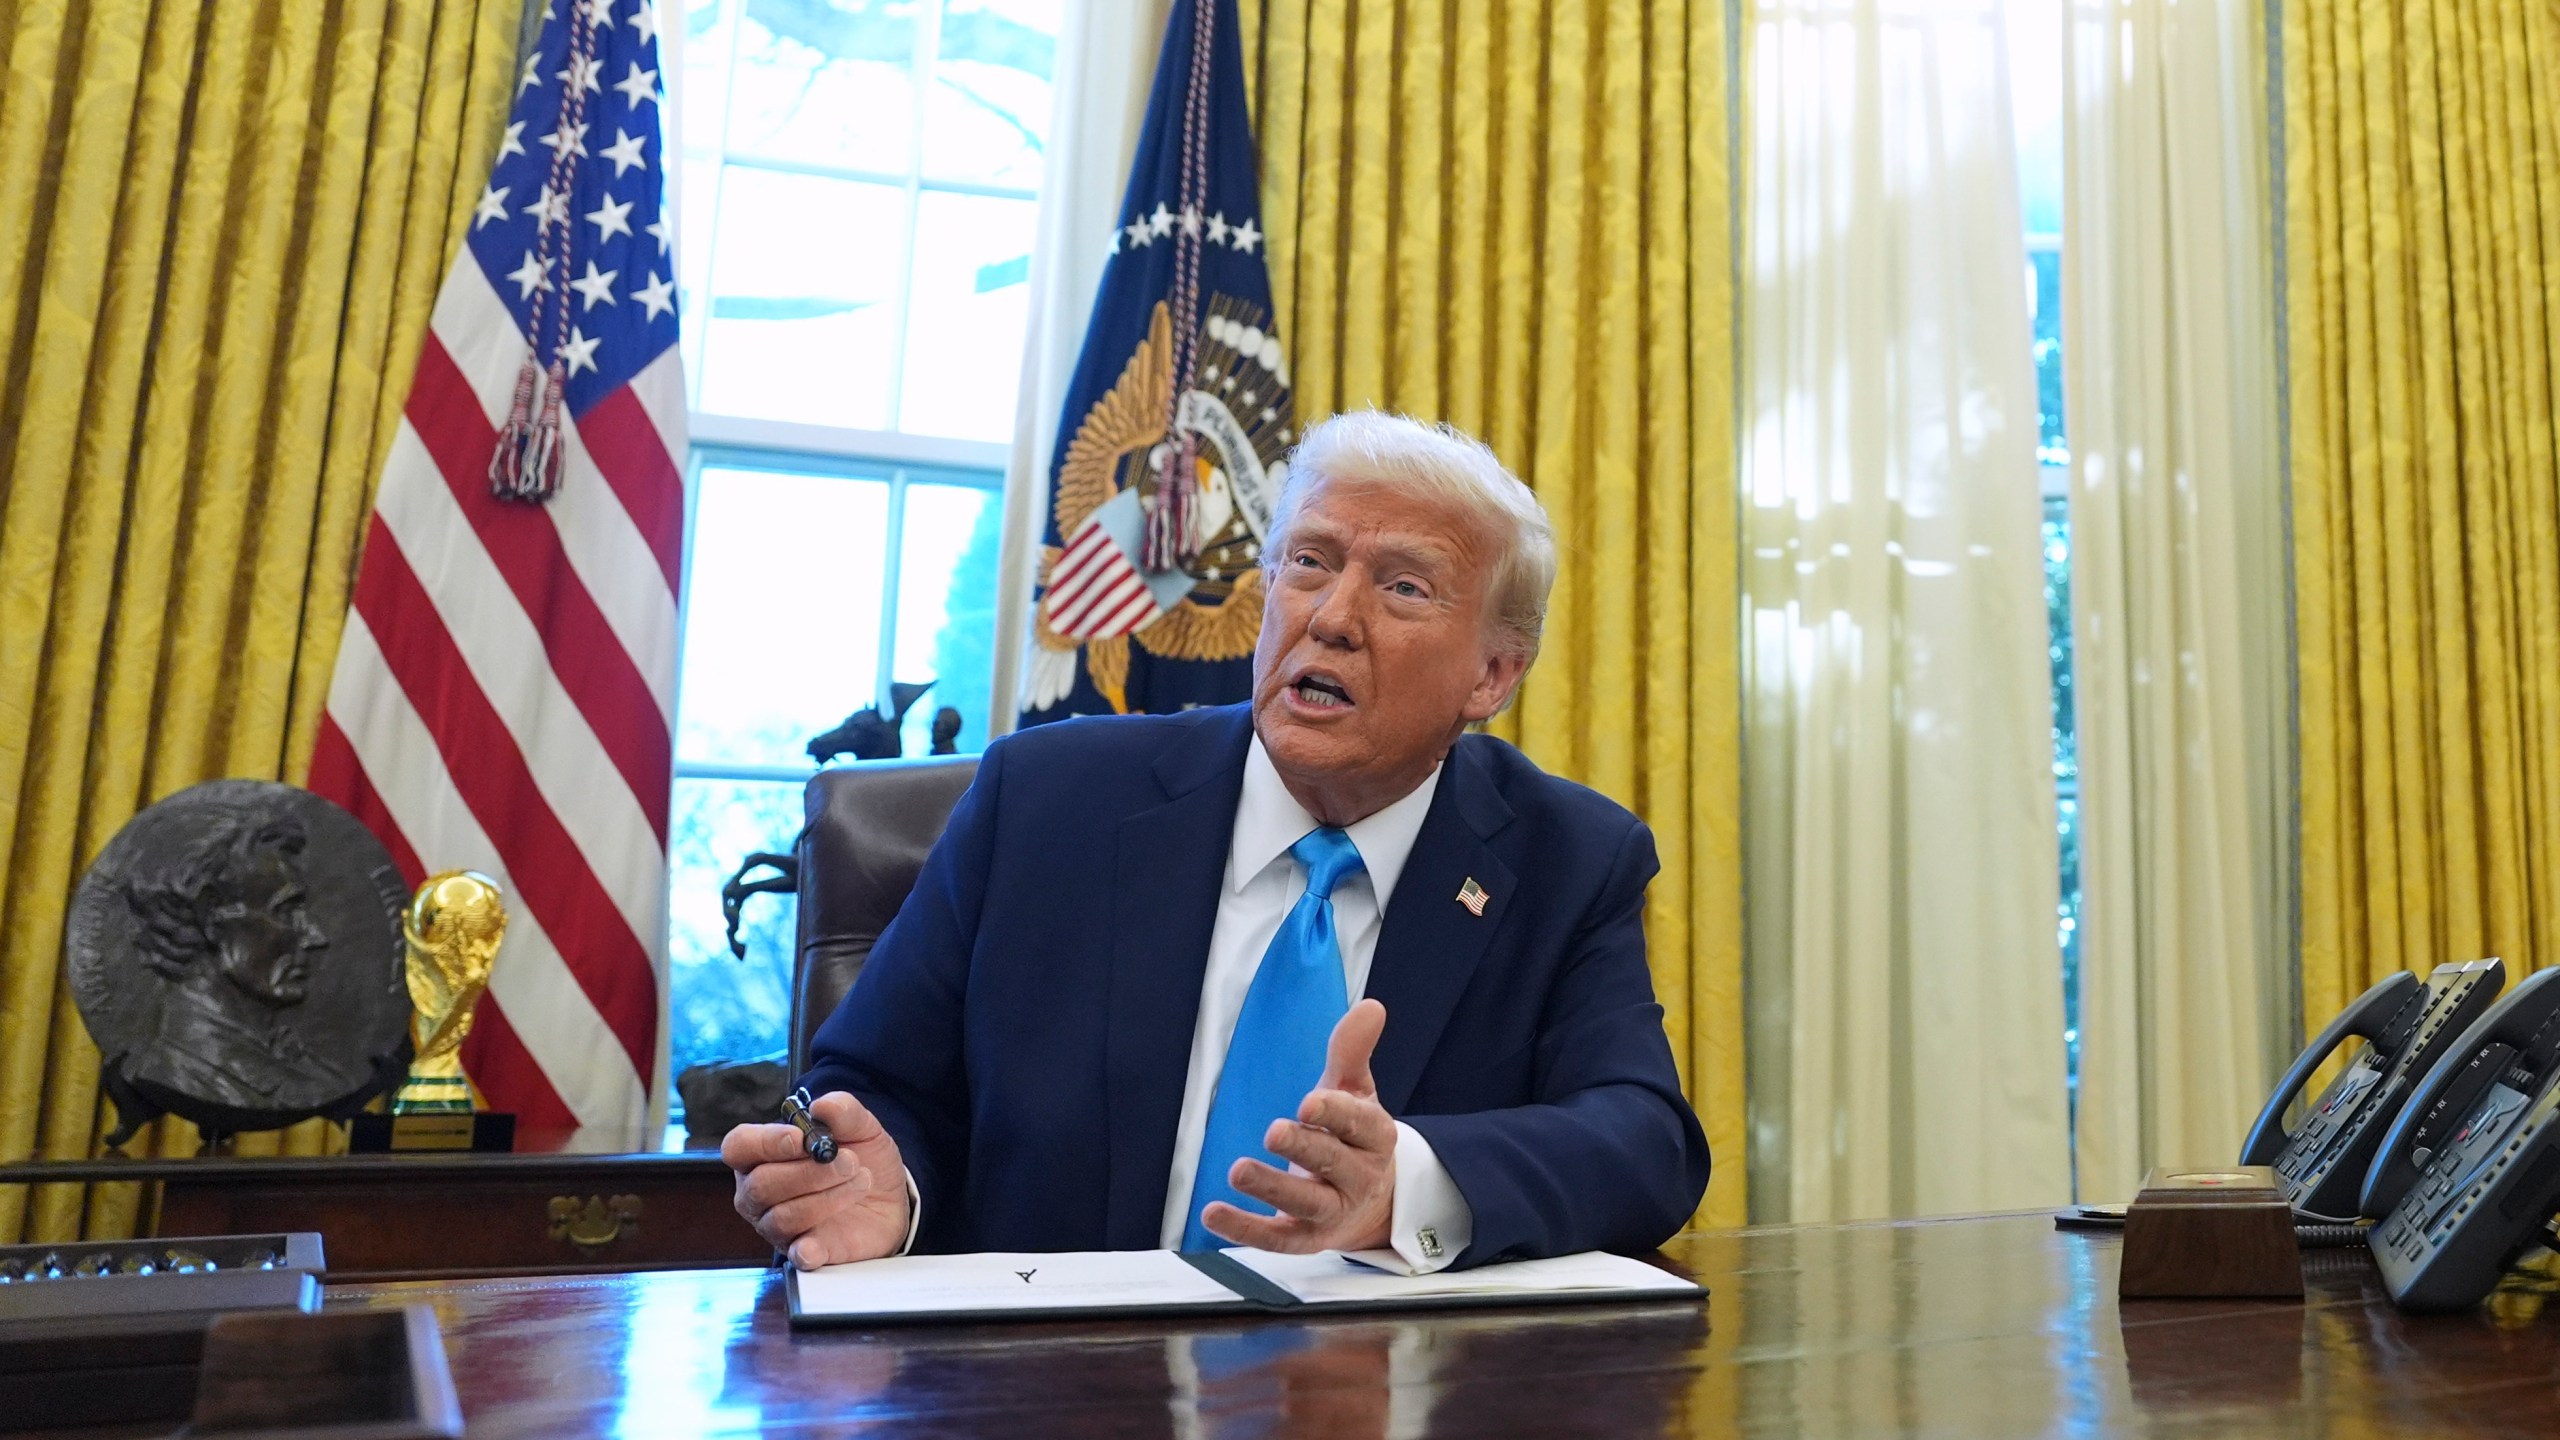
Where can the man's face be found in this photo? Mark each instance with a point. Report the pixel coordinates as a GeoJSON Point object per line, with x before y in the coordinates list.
{"type": "Point", "coordinates": [263, 944]}
{"type": "Point", "coordinates": [1376, 648]}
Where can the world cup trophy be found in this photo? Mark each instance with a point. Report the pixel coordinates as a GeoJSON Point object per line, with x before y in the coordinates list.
{"type": "Point", "coordinates": [453, 926]}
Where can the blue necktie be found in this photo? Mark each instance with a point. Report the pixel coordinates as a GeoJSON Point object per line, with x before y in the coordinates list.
{"type": "Point", "coordinates": [1277, 1053]}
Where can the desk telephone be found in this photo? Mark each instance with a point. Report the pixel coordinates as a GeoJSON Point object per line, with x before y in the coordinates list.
{"type": "Point", "coordinates": [2469, 1174]}
{"type": "Point", "coordinates": [2407, 1026]}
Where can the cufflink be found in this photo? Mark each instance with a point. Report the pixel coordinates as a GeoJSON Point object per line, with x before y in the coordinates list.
{"type": "Point", "coordinates": [1429, 1240]}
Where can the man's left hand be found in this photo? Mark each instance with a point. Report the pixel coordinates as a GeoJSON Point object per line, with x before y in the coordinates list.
{"type": "Point", "coordinates": [1340, 1188]}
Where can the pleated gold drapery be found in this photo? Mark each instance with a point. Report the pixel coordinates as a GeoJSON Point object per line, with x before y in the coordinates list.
{"type": "Point", "coordinates": [228, 222]}
{"type": "Point", "coordinates": [1515, 217]}
{"type": "Point", "coordinates": [2422, 155]}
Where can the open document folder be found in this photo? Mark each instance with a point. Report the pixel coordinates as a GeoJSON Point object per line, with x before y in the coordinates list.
{"type": "Point", "coordinates": [1227, 1282]}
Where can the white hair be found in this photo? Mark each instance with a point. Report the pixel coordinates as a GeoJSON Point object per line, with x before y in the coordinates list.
{"type": "Point", "coordinates": [1437, 462]}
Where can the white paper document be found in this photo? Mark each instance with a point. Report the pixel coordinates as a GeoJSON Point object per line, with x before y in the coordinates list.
{"type": "Point", "coordinates": [930, 1284]}
{"type": "Point", "coordinates": [1328, 1276]}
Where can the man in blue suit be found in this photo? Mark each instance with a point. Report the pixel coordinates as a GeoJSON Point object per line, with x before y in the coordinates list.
{"type": "Point", "coordinates": [1114, 1013]}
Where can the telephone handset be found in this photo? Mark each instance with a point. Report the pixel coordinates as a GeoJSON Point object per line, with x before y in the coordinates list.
{"type": "Point", "coordinates": [2470, 1171]}
{"type": "Point", "coordinates": [2405, 1025]}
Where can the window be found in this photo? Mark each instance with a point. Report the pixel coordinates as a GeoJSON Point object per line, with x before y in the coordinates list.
{"type": "Point", "coordinates": [858, 191]}
{"type": "Point", "coordinates": [2037, 91]}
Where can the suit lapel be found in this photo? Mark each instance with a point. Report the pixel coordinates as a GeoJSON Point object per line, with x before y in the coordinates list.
{"type": "Point", "coordinates": [1430, 943]}
{"type": "Point", "coordinates": [1167, 875]}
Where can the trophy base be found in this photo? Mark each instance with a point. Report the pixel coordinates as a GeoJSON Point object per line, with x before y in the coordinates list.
{"type": "Point", "coordinates": [486, 1132]}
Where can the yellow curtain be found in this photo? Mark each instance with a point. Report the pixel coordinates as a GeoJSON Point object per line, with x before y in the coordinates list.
{"type": "Point", "coordinates": [228, 224]}
{"type": "Point", "coordinates": [1516, 217]}
{"type": "Point", "coordinates": [2422, 196]}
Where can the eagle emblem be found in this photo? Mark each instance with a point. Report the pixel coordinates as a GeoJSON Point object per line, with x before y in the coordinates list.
{"type": "Point", "coordinates": [1240, 418]}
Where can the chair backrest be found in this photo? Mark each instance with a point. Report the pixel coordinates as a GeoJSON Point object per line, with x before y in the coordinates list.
{"type": "Point", "coordinates": [869, 827]}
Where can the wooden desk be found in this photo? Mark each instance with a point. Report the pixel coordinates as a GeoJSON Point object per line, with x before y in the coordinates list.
{"type": "Point", "coordinates": [1979, 1327]}
{"type": "Point", "coordinates": [565, 1203]}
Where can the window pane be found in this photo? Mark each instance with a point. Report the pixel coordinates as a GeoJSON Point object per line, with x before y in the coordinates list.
{"type": "Point", "coordinates": [987, 114]}
{"type": "Point", "coordinates": [782, 620]}
{"type": "Point", "coordinates": [725, 1008]}
{"type": "Point", "coordinates": [2052, 446]}
{"type": "Point", "coordinates": [966, 312]}
{"type": "Point", "coordinates": [804, 299]}
{"type": "Point", "coordinates": [826, 84]}
{"type": "Point", "coordinates": [946, 607]}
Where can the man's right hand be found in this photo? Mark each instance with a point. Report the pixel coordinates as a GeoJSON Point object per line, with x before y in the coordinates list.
{"type": "Point", "coordinates": [852, 1208]}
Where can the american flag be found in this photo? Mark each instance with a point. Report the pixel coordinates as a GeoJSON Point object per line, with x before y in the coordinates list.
{"type": "Point", "coordinates": [504, 696]}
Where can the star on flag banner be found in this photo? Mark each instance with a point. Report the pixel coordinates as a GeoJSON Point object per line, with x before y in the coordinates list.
{"type": "Point", "coordinates": [504, 694]}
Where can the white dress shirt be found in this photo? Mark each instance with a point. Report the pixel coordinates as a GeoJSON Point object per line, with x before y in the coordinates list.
{"type": "Point", "coordinates": [1432, 1223]}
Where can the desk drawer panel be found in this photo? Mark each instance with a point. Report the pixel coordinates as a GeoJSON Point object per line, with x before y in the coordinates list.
{"type": "Point", "coordinates": [446, 1224]}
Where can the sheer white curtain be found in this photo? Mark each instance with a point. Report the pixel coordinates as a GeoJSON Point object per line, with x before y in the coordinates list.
{"type": "Point", "coordinates": [2180, 655]}
{"type": "Point", "coordinates": [1904, 986]}
{"type": "Point", "coordinates": [1106, 59]}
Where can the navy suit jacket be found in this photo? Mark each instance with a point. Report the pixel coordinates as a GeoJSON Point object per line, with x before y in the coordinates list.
{"type": "Point", "coordinates": [1023, 1028]}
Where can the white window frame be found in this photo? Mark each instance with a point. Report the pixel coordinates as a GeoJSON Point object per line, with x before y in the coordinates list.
{"type": "Point", "coordinates": [900, 461]}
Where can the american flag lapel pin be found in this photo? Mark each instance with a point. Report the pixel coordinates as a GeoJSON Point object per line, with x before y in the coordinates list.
{"type": "Point", "coordinates": [1473, 896]}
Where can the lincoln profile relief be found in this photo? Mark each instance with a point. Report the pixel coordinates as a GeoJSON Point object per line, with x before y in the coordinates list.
{"type": "Point", "coordinates": [228, 929]}
{"type": "Point", "coordinates": [235, 951]}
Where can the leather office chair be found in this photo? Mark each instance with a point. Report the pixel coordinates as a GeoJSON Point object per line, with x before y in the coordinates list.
{"type": "Point", "coordinates": [869, 827]}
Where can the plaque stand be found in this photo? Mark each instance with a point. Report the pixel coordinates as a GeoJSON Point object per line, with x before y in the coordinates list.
{"type": "Point", "coordinates": [480, 1131]}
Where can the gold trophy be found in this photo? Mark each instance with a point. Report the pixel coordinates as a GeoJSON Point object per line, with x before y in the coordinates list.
{"type": "Point", "coordinates": [453, 926]}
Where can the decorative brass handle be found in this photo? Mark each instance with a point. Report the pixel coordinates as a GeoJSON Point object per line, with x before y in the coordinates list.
{"type": "Point", "coordinates": [595, 1222]}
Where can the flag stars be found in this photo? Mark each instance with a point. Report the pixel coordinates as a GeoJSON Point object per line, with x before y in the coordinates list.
{"type": "Point", "coordinates": [582, 72]}
{"type": "Point", "coordinates": [579, 350]}
{"type": "Point", "coordinates": [645, 20]}
{"type": "Point", "coordinates": [1238, 235]}
{"type": "Point", "coordinates": [599, 12]}
{"type": "Point", "coordinates": [611, 218]}
{"type": "Point", "coordinates": [566, 136]}
{"type": "Point", "coordinates": [514, 143]}
{"type": "Point", "coordinates": [658, 296]}
{"type": "Point", "coordinates": [660, 229]}
{"type": "Point", "coordinates": [624, 152]}
{"type": "Point", "coordinates": [550, 207]}
{"type": "Point", "coordinates": [532, 74]}
{"type": "Point", "coordinates": [637, 86]}
{"type": "Point", "coordinates": [529, 277]}
{"type": "Point", "coordinates": [595, 285]}
{"type": "Point", "coordinates": [492, 206]}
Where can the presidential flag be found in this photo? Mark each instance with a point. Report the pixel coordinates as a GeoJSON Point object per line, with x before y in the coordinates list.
{"type": "Point", "coordinates": [504, 695]}
{"type": "Point", "coordinates": [1178, 418]}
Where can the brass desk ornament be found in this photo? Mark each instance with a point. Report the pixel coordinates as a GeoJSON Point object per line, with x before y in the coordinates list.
{"type": "Point", "coordinates": [453, 927]}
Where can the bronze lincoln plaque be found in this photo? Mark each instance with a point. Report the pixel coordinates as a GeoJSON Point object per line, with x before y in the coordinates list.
{"type": "Point", "coordinates": [236, 953]}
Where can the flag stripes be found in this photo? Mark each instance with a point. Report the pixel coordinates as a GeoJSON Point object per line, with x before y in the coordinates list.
{"type": "Point", "coordinates": [553, 880]}
{"type": "Point", "coordinates": [522, 542]}
{"type": "Point", "coordinates": [558, 1032]}
{"type": "Point", "coordinates": [1094, 591]}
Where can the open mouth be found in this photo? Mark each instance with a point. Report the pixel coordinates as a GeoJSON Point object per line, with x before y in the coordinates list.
{"type": "Point", "coordinates": [1317, 692]}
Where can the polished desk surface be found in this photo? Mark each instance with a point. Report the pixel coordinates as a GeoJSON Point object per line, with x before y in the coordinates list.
{"type": "Point", "coordinates": [1985, 1326]}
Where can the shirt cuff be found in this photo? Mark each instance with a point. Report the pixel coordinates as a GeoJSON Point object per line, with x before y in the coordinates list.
{"type": "Point", "coordinates": [1431, 1224]}
{"type": "Point", "coordinates": [915, 1212]}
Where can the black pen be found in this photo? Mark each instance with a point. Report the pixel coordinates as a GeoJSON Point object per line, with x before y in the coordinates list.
{"type": "Point", "coordinates": [795, 1108]}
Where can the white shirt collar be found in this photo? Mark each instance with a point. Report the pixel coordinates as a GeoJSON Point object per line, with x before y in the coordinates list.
{"type": "Point", "coordinates": [1269, 820]}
